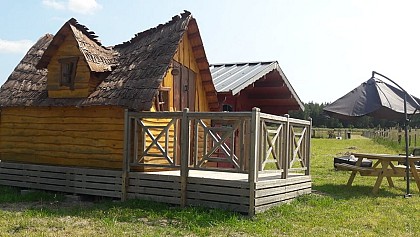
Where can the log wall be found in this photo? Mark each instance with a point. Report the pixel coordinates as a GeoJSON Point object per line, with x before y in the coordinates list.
{"type": "Point", "coordinates": [87, 137]}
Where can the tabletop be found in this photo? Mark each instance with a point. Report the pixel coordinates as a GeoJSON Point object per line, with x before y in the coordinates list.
{"type": "Point", "coordinates": [385, 156]}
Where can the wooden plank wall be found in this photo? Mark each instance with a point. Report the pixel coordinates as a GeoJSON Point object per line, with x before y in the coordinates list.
{"type": "Point", "coordinates": [68, 136]}
{"type": "Point", "coordinates": [273, 192]}
{"type": "Point", "coordinates": [96, 182]}
{"type": "Point", "coordinates": [217, 193]}
{"type": "Point", "coordinates": [224, 194]}
{"type": "Point", "coordinates": [185, 56]}
{"type": "Point", "coordinates": [214, 193]}
{"type": "Point", "coordinates": [154, 187]}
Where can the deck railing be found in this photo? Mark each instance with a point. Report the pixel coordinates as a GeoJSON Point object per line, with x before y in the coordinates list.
{"type": "Point", "coordinates": [220, 141]}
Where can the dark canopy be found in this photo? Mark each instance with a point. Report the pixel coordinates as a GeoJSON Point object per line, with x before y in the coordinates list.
{"type": "Point", "coordinates": [373, 98]}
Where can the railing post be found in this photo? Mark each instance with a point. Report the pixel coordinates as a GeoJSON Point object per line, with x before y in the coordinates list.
{"type": "Point", "coordinates": [185, 155]}
{"type": "Point", "coordinates": [126, 156]}
{"type": "Point", "coordinates": [286, 148]}
{"type": "Point", "coordinates": [308, 149]}
{"type": "Point", "coordinates": [253, 158]}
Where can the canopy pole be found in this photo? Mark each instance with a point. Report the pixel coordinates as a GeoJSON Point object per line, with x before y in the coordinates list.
{"type": "Point", "coordinates": [407, 164]}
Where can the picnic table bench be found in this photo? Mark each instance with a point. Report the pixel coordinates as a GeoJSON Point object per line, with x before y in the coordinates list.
{"type": "Point", "coordinates": [383, 167]}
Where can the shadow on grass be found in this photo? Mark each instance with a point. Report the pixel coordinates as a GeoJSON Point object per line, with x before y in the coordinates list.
{"type": "Point", "coordinates": [357, 191]}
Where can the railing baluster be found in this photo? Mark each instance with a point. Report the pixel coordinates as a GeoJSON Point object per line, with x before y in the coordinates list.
{"type": "Point", "coordinates": [185, 155]}
{"type": "Point", "coordinates": [254, 152]}
{"type": "Point", "coordinates": [286, 158]}
{"type": "Point", "coordinates": [126, 158]}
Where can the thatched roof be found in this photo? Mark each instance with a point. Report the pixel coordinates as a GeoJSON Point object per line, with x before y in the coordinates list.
{"type": "Point", "coordinates": [138, 67]}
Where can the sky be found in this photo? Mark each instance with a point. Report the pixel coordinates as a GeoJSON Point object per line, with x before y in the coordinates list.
{"type": "Point", "coordinates": [325, 47]}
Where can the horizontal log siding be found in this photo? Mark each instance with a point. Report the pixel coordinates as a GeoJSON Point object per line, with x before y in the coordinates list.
{"type": "Point", "coordinates": [88, 137]}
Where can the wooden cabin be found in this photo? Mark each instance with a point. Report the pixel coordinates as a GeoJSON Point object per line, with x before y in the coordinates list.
{"type": "Point", "coordinates": [243, 86]}
{"type": "Point", "coordinates": [142, 119]}
{"type": "Point", "coordinates": [64, 103]}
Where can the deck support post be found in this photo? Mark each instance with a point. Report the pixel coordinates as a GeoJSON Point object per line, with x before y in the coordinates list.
{"type": "Point", "coordinates": [286, 148]}
{"type": "Point", "coordinates": [254, 158]}
{"type": "Point", "coordinates": [185, 155]}
{"type": "Point", "coordinates": [126, 158]}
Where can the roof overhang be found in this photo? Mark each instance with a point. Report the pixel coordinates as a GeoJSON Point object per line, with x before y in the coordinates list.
{"type": "Point", "coordinates": [237, 77]}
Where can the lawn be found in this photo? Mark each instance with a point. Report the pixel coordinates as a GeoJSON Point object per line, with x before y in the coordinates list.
{"type": "Point", "coordinates": [332, 210]}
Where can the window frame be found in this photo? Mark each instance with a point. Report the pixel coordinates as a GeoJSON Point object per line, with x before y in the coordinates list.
{"type": "Point", "coordinates": [162, 99]}
{"type": "Point", "coordinates": [67, 78]}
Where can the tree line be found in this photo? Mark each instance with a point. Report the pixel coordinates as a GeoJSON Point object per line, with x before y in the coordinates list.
{"type": "Point", "coordinates": [322, 120]}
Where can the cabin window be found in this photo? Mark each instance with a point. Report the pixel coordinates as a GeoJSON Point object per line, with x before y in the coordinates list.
{"type": "Point", "coordinates": [68, 71]}
{"type": "Point", "coordinates": [227, 108]}
{"type": "Point", "coordinates": [162, 99]}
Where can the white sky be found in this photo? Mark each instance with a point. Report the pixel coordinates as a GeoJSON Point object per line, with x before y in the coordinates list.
{"type": "Point", "coordinates": [325, 48]}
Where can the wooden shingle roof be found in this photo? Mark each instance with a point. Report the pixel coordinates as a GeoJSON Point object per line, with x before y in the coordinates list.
{"type": "Point", "coordinates": [138, 67]}
{"type": "Point", "coordinates": [99, 58]}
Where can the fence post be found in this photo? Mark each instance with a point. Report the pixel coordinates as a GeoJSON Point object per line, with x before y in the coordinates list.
{"type": "Point", "coordinates": [126, 158]}
{"type": "Point", "coordinates": [185, 155]}
{"type": "Point", "coordinates": [253, 158]}
{"type": "Point", "coordinates": [286, 148]}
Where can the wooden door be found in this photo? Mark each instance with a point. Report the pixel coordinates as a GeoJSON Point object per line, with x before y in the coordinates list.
{"type": "Point", "coordinates": [184, 88]}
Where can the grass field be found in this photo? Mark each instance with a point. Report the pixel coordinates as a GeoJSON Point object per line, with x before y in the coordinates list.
{"type": "Point", "coordinates": [332, 210]}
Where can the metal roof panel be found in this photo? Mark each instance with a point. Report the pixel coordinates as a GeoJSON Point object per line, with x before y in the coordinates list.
{"type": "Point", "coordinates": [234, 77]}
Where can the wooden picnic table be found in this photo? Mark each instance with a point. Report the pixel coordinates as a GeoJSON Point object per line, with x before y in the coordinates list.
{"type": "Point", "coordinates": [383, 167]}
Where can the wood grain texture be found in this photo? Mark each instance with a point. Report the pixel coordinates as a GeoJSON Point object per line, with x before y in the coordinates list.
{"type": "Point", "coordinates": [89, 137]}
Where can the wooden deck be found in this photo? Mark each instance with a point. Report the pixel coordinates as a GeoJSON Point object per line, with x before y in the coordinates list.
{"type": "Point", "coordinates": [229, 191]}
{"type": "Point", "coordinates": [245, 162]}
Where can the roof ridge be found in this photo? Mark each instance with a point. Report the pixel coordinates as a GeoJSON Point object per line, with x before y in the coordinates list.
{"type": "Point", "coordinates": [151, 31]}
{"type": "Point", "coordinates": [90, 34]}
{"type": "Point", "coordinates": [242, 63]}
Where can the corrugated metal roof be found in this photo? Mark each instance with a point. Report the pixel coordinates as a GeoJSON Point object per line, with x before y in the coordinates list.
{"type": "Point", "coordinates": [234, 77]}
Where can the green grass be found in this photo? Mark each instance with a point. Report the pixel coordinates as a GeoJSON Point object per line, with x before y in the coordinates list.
{"type": "Point", "coordinates": [13, 195]}
{"type": "Point", "coordinates": [332, 210]}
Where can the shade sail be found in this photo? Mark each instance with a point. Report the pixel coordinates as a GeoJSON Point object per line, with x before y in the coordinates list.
{"type": "Point", "coordinates": [374, 98]}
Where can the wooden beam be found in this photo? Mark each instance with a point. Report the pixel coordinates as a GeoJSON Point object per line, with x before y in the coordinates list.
{"type": "Point", "coordinates": [194, 35]}
{"type": "Point", "coordinates": [272, 102]}
{"type": "Point", "coordinates": [207, 83]}
{"type": "Point", "coordinates": [202, 60]}
{"type": "Point", "coordinates": [269, 96]}
{"type": "Point", "coordinates": [267, 90]}
{"type": "Point", "coordinates": [211, 93]}
{"type": "Point", "coordinates": [204, 71]}
{"type": "Point", "coordinates": [197, 48]}
{"type": "Point", "coordinates": [269, 83]}
{"type": "Point", "coordinates": [214, 105]}
{"type": "Point", "coordinates": [273, 109]}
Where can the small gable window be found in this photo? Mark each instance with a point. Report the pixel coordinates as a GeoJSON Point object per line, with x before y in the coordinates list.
{"type": "Point", "coordinates": [161, 99]}
{"type": "Point", "coordinates": [68, 71]}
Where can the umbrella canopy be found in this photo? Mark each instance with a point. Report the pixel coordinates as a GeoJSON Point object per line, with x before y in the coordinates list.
{"type": "Point", "coordinates": [374, 98]}
{"type": "Point", "coordinates": [380, 100]}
